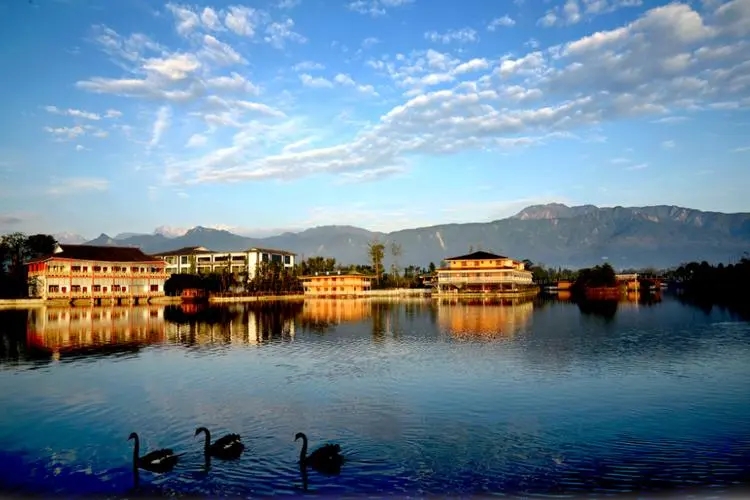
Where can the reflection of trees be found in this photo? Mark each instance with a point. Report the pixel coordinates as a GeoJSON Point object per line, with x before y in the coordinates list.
{"type": "Point", "coordinates": [13, 336]}
{"type": "Point", "coordinates": [379, 322]}
{"type": "Point", "coordinates": [603, 308]}
{"type": "Point", "coordinates": [251, 323]}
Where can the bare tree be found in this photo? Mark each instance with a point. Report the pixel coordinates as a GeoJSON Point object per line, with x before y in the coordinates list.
{"type": "Point", "coordinates": [396, 252]}
{"type": "Point", "coordinates": [376, 252]}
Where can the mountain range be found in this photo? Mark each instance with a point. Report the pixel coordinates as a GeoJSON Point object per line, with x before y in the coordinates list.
{"type": "Point", "coordinates": [553, 234]}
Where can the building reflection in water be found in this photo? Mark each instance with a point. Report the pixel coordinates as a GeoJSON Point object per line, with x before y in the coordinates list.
{"type": "Point", "coordinates": [248, 324]}
{"type": "Point", "coordinates": [320, 315]}
{"type": "Point", "coordinates": [91, 330]}
{"type": "Point", "coordinates": [484, 318]}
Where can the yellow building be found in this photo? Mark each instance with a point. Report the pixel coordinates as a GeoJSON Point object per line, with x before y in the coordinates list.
{"type": "Point", "coordinates": [336, 284]}
{"type": "Point", "coordinates": [483, 272]}
{"type": "Point", "coordinates": [95, 273]}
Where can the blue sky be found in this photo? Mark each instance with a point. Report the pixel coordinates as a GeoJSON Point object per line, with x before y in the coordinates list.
{"type": "Point", "coordinates": [285, 114]}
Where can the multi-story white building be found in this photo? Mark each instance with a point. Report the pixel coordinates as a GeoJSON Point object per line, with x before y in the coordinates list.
{"type": "Point", "coordinates": [194, 260]}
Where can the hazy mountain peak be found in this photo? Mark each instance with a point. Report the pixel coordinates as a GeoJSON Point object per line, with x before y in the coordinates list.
{"type": "Point", "coordinates": [170, 231]}
{"type": "Point", "coordinates": [69, 238]}
{"type": "Point", "coordinates": [553, 211]}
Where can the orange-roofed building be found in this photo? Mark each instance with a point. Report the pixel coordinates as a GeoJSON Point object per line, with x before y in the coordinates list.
{"type": "Point", "coordinates": [483, 272]}
{"type": "Point", "coordinates": [74, 272]}
{"type": "Point", "coordinates": [336, 284]}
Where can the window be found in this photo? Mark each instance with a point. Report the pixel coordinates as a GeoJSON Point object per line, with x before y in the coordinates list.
{"type": "Point", "coordinates": [154, 288]}
{"type": "Point", "coordinates": [53, 289]}
{"type": "Point", "coordinates": [75, 269]}
{"type": "Point", "coordinates": [184, 260]}
{"type": "Point", "coordinates": [97, 269]}
{"type": "Point", "coordinates": [96, 288]}
{"type": "Point", "coordinates": [115, 288]}
{"type": "Point", "coordinates": [124, 289]}
{"type": "Point", "coordinates": [75, 288]}
{"type": "Point", "coordinates": [85, 269]}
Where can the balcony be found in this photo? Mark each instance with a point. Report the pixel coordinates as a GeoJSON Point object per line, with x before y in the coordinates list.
{"type": "Point", "coordinates": [499, 279]}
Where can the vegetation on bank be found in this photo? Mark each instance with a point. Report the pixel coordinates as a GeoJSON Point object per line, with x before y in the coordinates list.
{"type": "Point", "coordinates": [705, 284]}
{"type": "Point", "coordinates": [15, 250]}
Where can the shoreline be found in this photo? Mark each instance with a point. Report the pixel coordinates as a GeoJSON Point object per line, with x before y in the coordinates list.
{"type": "Point", "coordinates": [398, 293]}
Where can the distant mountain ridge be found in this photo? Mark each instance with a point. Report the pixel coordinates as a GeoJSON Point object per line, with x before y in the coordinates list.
{"type": "Point", "coordinates": [553, 234]}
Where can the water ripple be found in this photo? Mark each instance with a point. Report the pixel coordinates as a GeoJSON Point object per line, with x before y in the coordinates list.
{"type": "Point", "coordinates": [539, 402]}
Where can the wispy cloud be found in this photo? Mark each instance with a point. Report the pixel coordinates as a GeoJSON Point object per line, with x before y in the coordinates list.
{"type": "Point", "coordinates": [75, 185]}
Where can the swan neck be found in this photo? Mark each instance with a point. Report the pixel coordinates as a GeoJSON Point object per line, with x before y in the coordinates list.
{"type": "Point", "coordinates": [207, 442]}
{"type": "Point", "coordinates": [136, 451]}
{"type": "Point", "coordinates": [303, 451]}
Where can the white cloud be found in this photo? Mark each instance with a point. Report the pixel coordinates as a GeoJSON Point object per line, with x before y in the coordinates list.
{"type": "Point", "coordinates": [669, 62]}
{"type": "Point", "coordinates": [242, 20]}
{"type": "Point", "coordinates": [308, 66]}
{"type": "Point", "coordinates": [66, 132]}
{"type": "Point", "coordinates": [219, 52]}
{"type": "Point", "coordinates": [741, 150]}
{"type": "Point", "coordinates": [278, 33]}
{"type": "Point", "coordinates": [315, 82]}
{"type": "Point", "coordinates": [464, 35]}
{"type": "Point", "coordinates": [370, 42]}
{"type": "Point", "coordinates": [668, 144]}
{"type": "Point", "coordinates": [376, 8]}
{"type": "Point", "coordinates": [196, 141]}
{"type": "Point", "coordinates": [75, 113]}
{"type": "Point", "coordinates": [574, 11]}
{"type": "Point", "coordinates": [498, 22]}
{"type": "Point", "coordinates": [161, 123]}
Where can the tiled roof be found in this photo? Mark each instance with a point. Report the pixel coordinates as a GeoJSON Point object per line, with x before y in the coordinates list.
{"type": "Point", "coordinates": [478, 256]}
{"type": "Point", "coordinates": [100, 253]}
{"type": "Point", "coordinates": [270, 250]}
{"type": "Point", "coordinates": [185, 251]}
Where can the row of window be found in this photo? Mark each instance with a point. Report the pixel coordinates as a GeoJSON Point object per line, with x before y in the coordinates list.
{"type": "Point", "coordinates": [94, 289]}
{"type": "Point", "coordinates": [498, 263]}
{"type": "Point", "coordinates": [334, 289]}
{"type": "Point", "coordinates": [100, 269]}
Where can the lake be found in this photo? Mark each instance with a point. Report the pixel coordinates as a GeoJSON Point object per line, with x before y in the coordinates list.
{"type": "Point", "coordinates": [425, 397]}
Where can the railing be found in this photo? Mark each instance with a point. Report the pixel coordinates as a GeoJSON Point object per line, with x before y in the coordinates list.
{"type": "Point", "coordinates": [484, 279]}
{"type": "Point", "coordinates": [253, 294]}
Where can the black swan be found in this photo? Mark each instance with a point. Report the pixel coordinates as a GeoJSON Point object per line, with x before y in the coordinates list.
{"type": "Point", "coordinates": [158, 461]}
{"type": "Point", "coordinates": [325, 459]}
{"type": "Point", "coordinates": [227, 447]}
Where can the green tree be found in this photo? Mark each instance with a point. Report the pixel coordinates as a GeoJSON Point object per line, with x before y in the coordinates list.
{"type": "Point", "coordinates": [376, 252]}
{"type": "Point", "coordinates": [432, 268]}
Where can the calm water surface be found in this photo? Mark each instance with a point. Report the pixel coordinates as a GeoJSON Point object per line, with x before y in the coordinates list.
{"type": "Point", "coordinates": [424, 397]}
